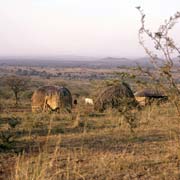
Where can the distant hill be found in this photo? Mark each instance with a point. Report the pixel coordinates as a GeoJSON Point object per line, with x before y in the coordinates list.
{"type": "Point", "coordinates": [77, 61]}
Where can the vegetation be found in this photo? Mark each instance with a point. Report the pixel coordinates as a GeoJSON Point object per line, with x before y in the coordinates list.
{"type": "Point", "coordinates": [163, 55]}
{"type": "Point", "coordinates": [17, 85]}
{"type": "Point", "coordinates": [88, 144]}
{"type": "Point", "coordinates": [118, 143]}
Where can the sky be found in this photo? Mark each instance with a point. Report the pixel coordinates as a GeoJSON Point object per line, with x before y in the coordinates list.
{"type": "Point", "coordinates": [79, 27]}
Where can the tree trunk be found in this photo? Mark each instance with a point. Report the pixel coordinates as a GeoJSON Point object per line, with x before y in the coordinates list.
{"type": "Point", "coordinates": [16, 98]}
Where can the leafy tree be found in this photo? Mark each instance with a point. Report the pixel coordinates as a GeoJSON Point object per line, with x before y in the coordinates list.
{"type": "Point", "coordinates": [17, 84]}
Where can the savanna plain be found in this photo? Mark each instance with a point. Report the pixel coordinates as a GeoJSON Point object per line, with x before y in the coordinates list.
{"type": "Point", "coordinates": [85, 144]}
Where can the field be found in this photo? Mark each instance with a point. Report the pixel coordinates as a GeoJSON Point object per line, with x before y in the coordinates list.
{"type": "Point", "coordinates": [85, 144]}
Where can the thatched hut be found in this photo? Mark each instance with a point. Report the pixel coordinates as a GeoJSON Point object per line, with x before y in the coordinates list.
{"type": "Point", "coordinates": [51, 98]}
{"type": "Point", "coordinates": [65, 98]}
{"type": "Point", "coordinates": [116, 96]}
{"type": "Point", "coordinates": [147, 96]}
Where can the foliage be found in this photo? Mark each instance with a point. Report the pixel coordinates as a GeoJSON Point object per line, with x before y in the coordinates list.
{"type": "Point", "coordinates": [17, 85]}
{"type": "Point", "coordinates": [162, 56]}
{"type": "Point", "coordinates": [8, 135]}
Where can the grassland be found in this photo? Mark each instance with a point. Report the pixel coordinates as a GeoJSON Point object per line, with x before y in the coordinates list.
{"type": "Point", "coordinates": [87, 144]}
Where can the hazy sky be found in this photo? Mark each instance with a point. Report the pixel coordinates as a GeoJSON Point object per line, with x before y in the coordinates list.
{"type": "Point", "coordinates": [78, 27]}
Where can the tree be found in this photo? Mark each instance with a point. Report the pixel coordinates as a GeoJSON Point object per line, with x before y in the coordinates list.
{"type": "Point", "coordinates": [17, 84]}
{"type": "Point", "coordinates": [162, 56]}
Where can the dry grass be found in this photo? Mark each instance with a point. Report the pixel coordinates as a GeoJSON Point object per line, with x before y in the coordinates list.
{"type": "Point", "coordinates": [90, 145]}
{"type": "Point", "coordinates": [97, 147]}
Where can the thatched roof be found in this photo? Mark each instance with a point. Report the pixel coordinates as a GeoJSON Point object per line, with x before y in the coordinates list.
{"type": "Point", "coordinates": [114, 96]}
{"type": "Point", "coordinates": [47, 92]}
{"type": "Point", "coordinates": [64, 91]}
{"type": "Point", "coordinates": [149, 93]}
{"type": "Point", "coordinates": [66, 97]}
